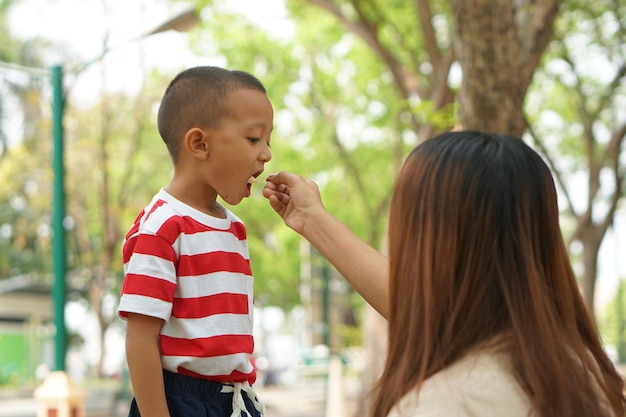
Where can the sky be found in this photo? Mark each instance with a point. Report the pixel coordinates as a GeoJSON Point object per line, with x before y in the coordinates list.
{"type": "Point", "coordinates": [82, 25]}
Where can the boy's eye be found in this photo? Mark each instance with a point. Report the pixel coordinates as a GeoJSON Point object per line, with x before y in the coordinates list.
{"type": "Point", "coordinates": [254, 140]}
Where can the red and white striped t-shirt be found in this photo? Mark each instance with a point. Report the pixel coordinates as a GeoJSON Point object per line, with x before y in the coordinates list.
{"type": "Point", "coordinates": [193, 271]}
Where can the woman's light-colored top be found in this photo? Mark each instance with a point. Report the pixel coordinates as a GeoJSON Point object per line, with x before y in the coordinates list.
{"type": "Point", "coordinates": [479, 385]}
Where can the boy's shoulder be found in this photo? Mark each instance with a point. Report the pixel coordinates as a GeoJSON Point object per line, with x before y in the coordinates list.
{"type": "Point", "coordinates": [165, 211]}
{"type": "Point", "coordinates": [156, 214]}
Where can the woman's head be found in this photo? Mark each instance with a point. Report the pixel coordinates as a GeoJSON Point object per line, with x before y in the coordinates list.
{"type": "Point", "coordinates": [476, 251]}
{"type": "Point", "coordinates": [474, 226]}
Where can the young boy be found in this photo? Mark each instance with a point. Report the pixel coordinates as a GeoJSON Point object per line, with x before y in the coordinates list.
{"type": "Point", "coordinates": [187, 292]}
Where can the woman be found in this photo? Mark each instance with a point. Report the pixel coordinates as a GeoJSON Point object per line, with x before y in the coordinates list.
{"type": "Point", "coordinates": [485, 315]}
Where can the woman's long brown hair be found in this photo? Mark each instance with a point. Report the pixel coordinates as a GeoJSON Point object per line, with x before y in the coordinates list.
{"type": "Point", "coordinates": [476, 251]}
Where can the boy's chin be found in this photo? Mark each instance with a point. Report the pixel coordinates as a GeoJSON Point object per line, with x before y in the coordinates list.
{"type": "Point", "coordinates": [232, 201]}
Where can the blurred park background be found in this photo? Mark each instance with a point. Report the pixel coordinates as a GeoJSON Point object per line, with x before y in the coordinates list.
{"type": "Point", "coordinates": [356, 84]}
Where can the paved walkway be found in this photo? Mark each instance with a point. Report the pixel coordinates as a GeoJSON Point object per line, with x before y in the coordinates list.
{"type": "Point", "coordinates": [305, 398]}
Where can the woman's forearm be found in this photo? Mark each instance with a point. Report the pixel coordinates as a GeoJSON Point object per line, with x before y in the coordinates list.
{"type": "Point", "coordinates": [365, 268]}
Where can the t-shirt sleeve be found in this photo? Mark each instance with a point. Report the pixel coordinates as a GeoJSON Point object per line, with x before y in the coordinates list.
{"type": "Point", "coordinates": [149, 276]}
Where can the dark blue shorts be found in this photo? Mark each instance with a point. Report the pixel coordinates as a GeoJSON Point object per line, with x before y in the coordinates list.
{"type": "Point", "coordinates": [193, 397]}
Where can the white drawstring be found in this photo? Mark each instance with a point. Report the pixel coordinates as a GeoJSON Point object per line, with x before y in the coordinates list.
{"type": "Point", "coordinates": [238, 404]}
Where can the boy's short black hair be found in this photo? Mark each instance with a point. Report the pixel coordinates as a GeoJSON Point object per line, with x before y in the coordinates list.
{"type": "Point", "coordinates": [195, 98]}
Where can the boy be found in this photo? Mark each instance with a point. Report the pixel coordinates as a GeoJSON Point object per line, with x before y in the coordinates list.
{"type": "Point", "coordinates": [187, 292]}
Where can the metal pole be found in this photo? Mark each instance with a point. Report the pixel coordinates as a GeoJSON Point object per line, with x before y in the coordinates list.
{"type": "Point", "coordinates": [326, 303]}
{"type": "Point", "coordinates": [58, 246]}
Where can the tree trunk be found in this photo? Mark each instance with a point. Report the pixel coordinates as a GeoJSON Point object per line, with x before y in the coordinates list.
{"type": "Point", "coordinates": [375, 351]}
{"type": "Point", "coordinates": [590, 261]}
{"type": "Point", "coordinates": [590, 235]}
{"type": "Point", "coordinates": [498, 44]}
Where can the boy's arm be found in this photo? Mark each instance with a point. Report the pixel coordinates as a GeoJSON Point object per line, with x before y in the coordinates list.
{"type": "Point", "coordinates": [298, 202]}
{"type": "Point", "coordinates": [144, 364]}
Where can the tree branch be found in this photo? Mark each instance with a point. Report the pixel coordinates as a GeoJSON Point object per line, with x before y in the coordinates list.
{"type": "Point", "coordinates": [556, 172]}
{"type": "Point", "coordinates": [534, 23]}
{"type": "Point", "coordinates": [406, 83]}
{"type": "Point", "coordinates": [614, 148]}
{"type": "Point", "coordinates": [425, 17]}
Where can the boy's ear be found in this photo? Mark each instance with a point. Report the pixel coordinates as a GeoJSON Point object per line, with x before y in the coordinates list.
{"type": "Point", "coordinates": [196, 143]}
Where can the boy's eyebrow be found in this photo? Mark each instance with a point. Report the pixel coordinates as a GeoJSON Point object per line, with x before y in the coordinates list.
{"type": "Point", "coordinates": [261, 124]}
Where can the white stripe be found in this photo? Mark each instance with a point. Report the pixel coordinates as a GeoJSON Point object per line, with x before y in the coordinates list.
{"type": "Point", "coordinates": [148, 306]}
{"type": "Point", "coordinates": [217, 365]}
{"type": "Point", "coordinates": [251, 297]}
{"type": "Point", "coordinates": [152, 221]}
{"type": "Point", "coordinates": [211, 241]}
{"type": "Point", "coordinates": [152, 266]}
{"type": "Point", "coordinates": [214, 283]}
{"type": "Point", "coordinates": [216, 325]}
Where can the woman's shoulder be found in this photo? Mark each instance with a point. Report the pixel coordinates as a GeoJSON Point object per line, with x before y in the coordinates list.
{"type": "Point", "coordinates": [479, 384]}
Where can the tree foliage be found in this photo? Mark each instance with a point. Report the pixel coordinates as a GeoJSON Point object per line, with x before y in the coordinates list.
{"type": "Point", "coordinates": [614, 325]}
{"type": "Point", "coordinates": [356, 84]}
{"type": "Point", "coordinates": [577, 121]}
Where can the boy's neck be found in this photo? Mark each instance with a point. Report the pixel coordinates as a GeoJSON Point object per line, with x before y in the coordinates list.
{"type": "Point", "coordinates": [204, 202]}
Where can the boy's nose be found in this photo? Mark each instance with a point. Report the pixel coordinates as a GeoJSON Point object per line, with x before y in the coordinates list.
{"type": "Point", "coordinates": [266, 155]}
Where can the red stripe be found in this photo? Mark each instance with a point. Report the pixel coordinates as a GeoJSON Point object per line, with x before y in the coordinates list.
{"type": "Point", "coordinates": [193, 308]}
{"type": "Point", "coordinates": [127, 251]}
{"type": "Point", "coordinates": [189, 226]}
{"type": "Point", "coordinates": [206, 263]}
{"type": "Point", "coordinates": [152, 245]}
{"type": "Point", "coordinates": [130, 238]}
{"type": "Point", "coordinates": [235, 376]}
{"type": "Point", "coordinates": [207, 346]}
{"type": "Point", "coordinates": [170, 230]}
{"type": "Point", "coordinates": [239, 230]}
{"type": "Point", "coordinates": [149, 287]}
{"type": "Point", "coordinates": [135, 226]}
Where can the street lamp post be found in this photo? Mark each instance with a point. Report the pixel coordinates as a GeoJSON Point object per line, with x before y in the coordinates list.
{"type": "Point", "coordinates": [58, 213]}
